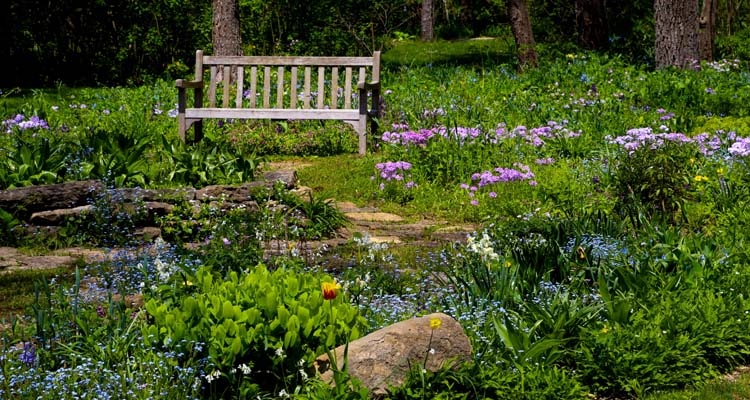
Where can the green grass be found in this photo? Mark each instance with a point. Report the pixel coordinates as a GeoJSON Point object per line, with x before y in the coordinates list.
{"type": "Point", "coordinates": [482, 51]}
{"type": "Point", "coordinates": [720, 389]}
{"type": "Point", "coordinates": [17, 288]}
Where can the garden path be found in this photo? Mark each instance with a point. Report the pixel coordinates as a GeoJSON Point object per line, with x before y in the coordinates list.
{"type": "Point", "coordinates": [366, 222]}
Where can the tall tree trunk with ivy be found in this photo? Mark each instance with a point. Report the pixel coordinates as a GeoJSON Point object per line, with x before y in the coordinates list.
{"type": "Point", "coordinates": [676, 26]}
{"type": "Point", "coordinates": [591, 23]}
{"type": "Point", "coordinates": [520, 24]}
{"type": "Point", "coordinates": [707, 30]}
{"type": "Point", "coordinates": [428, 21]}
{"type": "Point", "coordinates": [226, 37]}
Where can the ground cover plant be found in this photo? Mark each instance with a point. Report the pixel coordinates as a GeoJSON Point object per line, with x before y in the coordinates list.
{"type": "Point", "coordinates": [611, 259]}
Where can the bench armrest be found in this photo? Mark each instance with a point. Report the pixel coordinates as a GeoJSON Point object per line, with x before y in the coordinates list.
{"type": "Point", "coordinates": [368, 86]}
{"type": "Point", "coordinates": [371, 90]}
{"type": "Point", "coordinates": [183, 84]}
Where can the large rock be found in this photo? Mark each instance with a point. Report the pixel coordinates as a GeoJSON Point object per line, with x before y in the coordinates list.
{"type": "Point", "coordinates": [383, 358]}
{"type": "Point", "coordinates": [24, 201]}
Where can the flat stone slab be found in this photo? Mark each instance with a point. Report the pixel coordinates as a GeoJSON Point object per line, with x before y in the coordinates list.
{"type": "Point", "coordinates": [12, 260]}
{"type": "Point", "coordinates": [373, 217]}
{"type": "Point", "coordinates": [385, 239]}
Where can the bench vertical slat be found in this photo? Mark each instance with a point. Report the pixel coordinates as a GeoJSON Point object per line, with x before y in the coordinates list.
{"type": "Point", "coordinates": [253, 86]}
{"type": "Point", "coordinates": [348, 88]}
{"type": "Point", "coordinates": [240, 86]}
{"type": "Point", "coordinates": [293, 89]}
{"type": "Point", "coordinates": [280, 88]}
{"type": "Point", "coordinates": [334, 88]}
{"type": "Point", "coordinates": [266, 86]}
{"type": "Point", "coordinates": [362, 75]}
{"type": "Point", "coordinates": [199, 65]}
{"type": "Point", "coordinates": [321, 86]}
{"type": "Point", "coordinates": [308, 78]}
{"type": "Point", "coordinates": [227, 85]}
{"type": "Point", "coordinates": [212, 88]}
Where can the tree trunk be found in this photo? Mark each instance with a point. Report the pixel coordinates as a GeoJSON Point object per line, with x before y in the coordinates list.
{"type": "Point", "coordinates": [707, 30]}
{"type": "Point", "coordinates": [226, 38]}
{"type": "Point", "coordinates": [428, 21]}
{"type": "Point", "coordinates": [591, 21]}
{"type": "Point", "coordinates": [520, 24]}
{"type": "Point", "coordinates": [676, 29]}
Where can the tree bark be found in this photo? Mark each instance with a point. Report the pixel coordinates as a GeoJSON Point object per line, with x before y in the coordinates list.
{"type": "Point", "coordinates": [676, 29]}
{"type": "Point", "coordinates": [707, 30]}
{"type": "Point", "coordinates": [226, 37]}
{"type": "Point", "coordinates": [591, 22]}
{"type": "Point", "coordinates": [428, 21]}
{"type": "Point", "coordinates": [520, 24]}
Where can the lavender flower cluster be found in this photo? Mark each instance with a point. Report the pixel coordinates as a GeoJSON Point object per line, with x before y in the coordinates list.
{"type": "Point", "coordinates": [20, 122]}
{"type": "Point", "coordinates": [498, 175]}
{"type": "Point", "coordinates": [403, 135]}
{"type": "Point", "coordinates": [708, 144]}
{"type": "Point", "coordinates": [394, 171]}
{"type": "Point", "coordinates": [536, 136]}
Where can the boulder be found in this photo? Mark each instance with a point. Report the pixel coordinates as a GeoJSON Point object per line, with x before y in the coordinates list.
{"type": "Point", "coordinates": [383, 358]}
{"type": "Point", "coordinates": [24, 201]}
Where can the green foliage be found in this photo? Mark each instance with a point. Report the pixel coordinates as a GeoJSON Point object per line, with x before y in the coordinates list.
{"type": "Point", "coordinates": [478, 52]}
{"type": "Point", "coordinates": [487, 381]}
{"type": "Point", "coordinates": [653, 182]}
{"type": "Point", "coordinates": [275, 321]}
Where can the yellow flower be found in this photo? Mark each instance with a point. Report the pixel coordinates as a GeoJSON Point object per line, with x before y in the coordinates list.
{"type": "Point", "coordinates": [605, 329]}
{"type": "Point", "coordinates": [720, 171]}
{"type": "Point", "coordinates": [330, 290]}
{"type": "Point", "coordinates": [581, 253]}
{"type": "Point", "coordinates": [508, 264]}
{"type": "Point", "coordinates": [700, 178]}
{"type": "Point", "coordinates": [435, 323]}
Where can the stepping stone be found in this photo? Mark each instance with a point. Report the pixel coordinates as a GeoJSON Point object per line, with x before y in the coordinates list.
{"type": "Point", "coordinates": [373, 216]}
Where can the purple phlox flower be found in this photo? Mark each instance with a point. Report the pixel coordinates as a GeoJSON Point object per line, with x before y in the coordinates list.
{"type": "Point", "coordinates": [710, 90]}
{"type": "Point", "coordinates": [492, 194]}
{"type": "Point", "coordinates": [545, 161]}
{"type": "Point", "coordinates": [666, 117]}
{"type": "Point", "coordinates": [28, 355]}
{"type": "Point", "coordinates": [740, 148]}
{"type": "Point", "coordinates": [22, 123]}
{"type": "Point", "coordinates": [226, 241]}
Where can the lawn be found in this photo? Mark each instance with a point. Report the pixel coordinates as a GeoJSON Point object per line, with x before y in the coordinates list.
{"type": "Point", "coordinates": [611, 259]}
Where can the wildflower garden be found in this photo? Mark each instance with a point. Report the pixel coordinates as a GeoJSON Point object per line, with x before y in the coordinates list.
{"type": "Point", "coordinates": [611, 258]}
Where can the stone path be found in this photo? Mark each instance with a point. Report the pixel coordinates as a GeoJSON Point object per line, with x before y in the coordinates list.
{"type": "Point", "coordinates": [378, 226]}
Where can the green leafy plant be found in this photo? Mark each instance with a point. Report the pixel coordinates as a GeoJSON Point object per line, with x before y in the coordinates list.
{"type": "Point", "coordinates": [270, 320]}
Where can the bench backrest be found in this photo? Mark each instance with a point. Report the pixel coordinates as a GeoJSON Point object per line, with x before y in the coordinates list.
{"type": "Point", "coordinates": [285, 82]}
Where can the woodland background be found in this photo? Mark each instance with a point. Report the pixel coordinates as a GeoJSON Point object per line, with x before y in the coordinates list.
{"type": "Point", "coordinates": [131, 42]}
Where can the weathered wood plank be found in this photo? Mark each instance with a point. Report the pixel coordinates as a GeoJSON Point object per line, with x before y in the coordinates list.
{"type": "Point", "coordinates": [212, 88]}
{"type": "Point", "coordinates": [273, 113]}
{"type": "Point", "coordinates": [266, 86]}
{"type": "Point", "coordinates": [240, 87]}
{"type": "Point", "coordinates": [227, 85]}
{"type": "Point", "coordinates": [348, 88]}
{"type": "Point", "coordinates": [199, 65]}
{"type": "Point", "coordinates": [293, 89]}
{"type": "Point", "coordinates": [253, 86]}
{"type": "Point", "coordinates": [289, 61]}
{"type": "Point", "coordinates": [334, 87]}
{"type": "Point", "coordinates": [321, 86]}
{"type": "Point", "coordinates": [280, 88]}
{"type": "Point", "coordinates": [308, 78]}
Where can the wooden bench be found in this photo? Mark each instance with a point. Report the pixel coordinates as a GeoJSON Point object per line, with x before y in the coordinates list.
{"type": "Point", "coordinates": [284, 88]}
